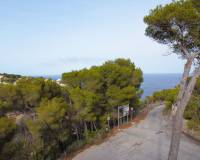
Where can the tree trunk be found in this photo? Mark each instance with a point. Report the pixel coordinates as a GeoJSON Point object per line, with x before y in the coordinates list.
{"type": "Point", "coordinates": [91, 126]}
{"type": "Point", "coordinates": [86, 129]}
{"type": "Point", "coordinates": [95, 128]}
{"type": "Point", "coordinates": [77, 136]}
{"type": "Point", "coordinates": [179, 107]}
{"type": "Point", "coordinates": [176, 134]}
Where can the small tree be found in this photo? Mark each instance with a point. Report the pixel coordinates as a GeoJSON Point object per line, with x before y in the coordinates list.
{"type": "Point", "coordinates": [178, 25]}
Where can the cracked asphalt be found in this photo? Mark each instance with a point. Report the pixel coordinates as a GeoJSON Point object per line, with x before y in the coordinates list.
{"type": "Point", "coordinates": [148, 140]}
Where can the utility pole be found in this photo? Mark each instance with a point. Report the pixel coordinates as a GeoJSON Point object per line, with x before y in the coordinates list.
{"type": "Point", "coordinates": [131, 113]}
{"type": "Point", "coordinates": [127, 117]}
{"type": "Point", "coordinates": [127, 114]}
{"type": "Point", "coordinates": [108, 119]}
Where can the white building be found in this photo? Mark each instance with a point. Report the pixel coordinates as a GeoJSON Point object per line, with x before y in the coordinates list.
{"type": "Point", "coordinates": [1, 78]}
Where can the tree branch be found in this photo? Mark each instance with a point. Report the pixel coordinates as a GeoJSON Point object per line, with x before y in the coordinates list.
{"type": "Point", "coordinates": [167, 54]}
{"type": "Point", "coordinates": [183, 85]}
{"type": "Point", "coordinates": [185, 51]}
{"type": "Point", "coordinates": [195, 54]}
{"type": "Point", "coordinates": [190, 88]}
{"type": "Point", "coordinates": [185, 76]}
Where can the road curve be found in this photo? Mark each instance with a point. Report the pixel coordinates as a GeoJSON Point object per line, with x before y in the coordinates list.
{"type": "Point", "coordinates": [149, 140]}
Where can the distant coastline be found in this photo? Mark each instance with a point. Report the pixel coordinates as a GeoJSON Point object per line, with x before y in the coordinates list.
{"type": "Point", "coordinates": [160, 81]}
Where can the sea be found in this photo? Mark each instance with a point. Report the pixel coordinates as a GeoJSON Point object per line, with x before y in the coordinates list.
{"type": "Point", "coordinates": [152, 82]}
{"type": "Point", "coordinates": [157, 82]}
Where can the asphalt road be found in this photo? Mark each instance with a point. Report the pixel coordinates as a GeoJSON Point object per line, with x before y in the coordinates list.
{"type": "Point", "coordinates": [149, 140]}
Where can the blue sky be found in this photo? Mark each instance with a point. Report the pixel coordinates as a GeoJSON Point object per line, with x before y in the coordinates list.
{"type": "Point", "coordinates": [46, 37]}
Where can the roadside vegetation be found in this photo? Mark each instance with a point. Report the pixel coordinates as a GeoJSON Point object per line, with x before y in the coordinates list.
{"type": "Point", "coordinates": [192, 111]}
{"type": "Point", "coordinates": [41, 119]}
{"type": "Point", "coordinates": [177, 25]}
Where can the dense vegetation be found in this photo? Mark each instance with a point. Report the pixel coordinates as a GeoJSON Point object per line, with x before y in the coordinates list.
{"type": "Point", "coordinates": [168, 96]}
{"type": "Point", "coordinates": [192, 112]}
{"type": "Point", "coordinates": [40, 119]}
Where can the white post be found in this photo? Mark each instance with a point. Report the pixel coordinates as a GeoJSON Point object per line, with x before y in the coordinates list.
{"type": "Point", "coordinates": [118, 116]}
{"type": "Point", "coordinates": [131, 113]}
{"type": "Point", "coordinates": [108, 119]}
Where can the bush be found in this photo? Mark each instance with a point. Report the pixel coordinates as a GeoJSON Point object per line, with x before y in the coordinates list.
{"type": "Point", "coordinates": [192, 111]}
{"type": "Point", "coordinates": [168, 107]}
{"type": "Point", "coordinates": [194, 124]}
{"type": "Point", "coordinates": [165, 95]}
{"type": "Point", "coordinates": [94, 137]}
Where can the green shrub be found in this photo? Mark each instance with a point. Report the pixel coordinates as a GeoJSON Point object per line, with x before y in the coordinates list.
{"type": "Point", "coordinates": [194, 124]}
{"type": "Point", "coordinates": [168, 107]}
